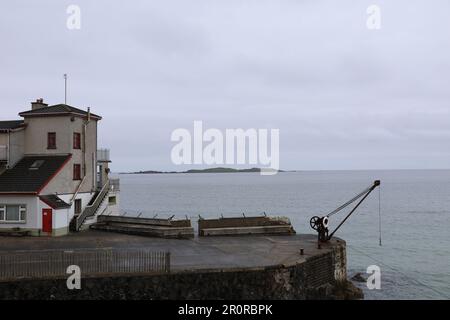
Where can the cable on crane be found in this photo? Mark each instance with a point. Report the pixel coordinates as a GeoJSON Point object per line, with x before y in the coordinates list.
{"type": "Point", "coordinates": [320, 224]}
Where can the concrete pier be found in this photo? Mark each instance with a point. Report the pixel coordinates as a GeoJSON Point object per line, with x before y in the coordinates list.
{"type": "Point", "coordinates": [150, 227]}
{"type": "Point", "coordinates": [245, 226]}
{"type": "Point", "coordinates": [256, 267]}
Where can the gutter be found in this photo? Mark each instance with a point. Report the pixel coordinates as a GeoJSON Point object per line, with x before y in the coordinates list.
{"type": "Point", "coordinates": [21, 127]}
{"type": "Point", "coordinates": [19, 193]}
{"type": "Point", "coordinates": [60, 114]}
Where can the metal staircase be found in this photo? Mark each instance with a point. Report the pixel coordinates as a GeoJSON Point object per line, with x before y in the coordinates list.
{"type": "Point", "coordinates": [90, 210]}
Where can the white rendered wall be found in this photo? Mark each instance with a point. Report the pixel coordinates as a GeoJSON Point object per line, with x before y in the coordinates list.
{"type": "Point", "coordinates": [34, 214]}
{"type": "Point", "coordinates": [60, 218]}
{"type": "Point", "coordinates": [17, 147]}
{"type": "Point", "coordinates": [114, 210]}
{"type": "Point", "coordinates": [85, 198]}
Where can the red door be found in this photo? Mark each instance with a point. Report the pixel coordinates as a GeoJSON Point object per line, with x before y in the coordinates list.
{"type": "Point", "coordinates": [47, 220]}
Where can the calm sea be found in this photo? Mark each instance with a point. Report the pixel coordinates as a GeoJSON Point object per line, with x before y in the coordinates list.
{"type": "Point", "coordinates": [415, 216]}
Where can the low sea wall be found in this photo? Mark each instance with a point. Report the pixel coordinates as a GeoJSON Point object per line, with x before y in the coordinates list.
{"type": "Point", "coordinates": [321, 276]}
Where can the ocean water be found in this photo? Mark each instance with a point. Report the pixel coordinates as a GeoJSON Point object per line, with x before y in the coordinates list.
{"type": "Point", "coordinates": [415, 216]}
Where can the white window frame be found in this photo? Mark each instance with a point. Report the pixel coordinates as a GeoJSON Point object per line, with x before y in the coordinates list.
{"type": "Point", "coordinates": [22, 213]}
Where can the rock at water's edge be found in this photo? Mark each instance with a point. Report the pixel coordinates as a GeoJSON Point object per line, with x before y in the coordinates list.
{"type": "Point", "coordinates": [358, 278]}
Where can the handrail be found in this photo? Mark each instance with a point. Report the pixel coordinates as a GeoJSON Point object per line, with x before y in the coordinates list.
{"type": "Point", "coordinates": [103, 155]}
{"type": "Point", "coordinates": [90, 210]}
{"type": "Point", "coordinates": [115, 184]}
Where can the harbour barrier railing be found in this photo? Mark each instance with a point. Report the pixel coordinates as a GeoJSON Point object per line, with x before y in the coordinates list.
{"type": "Point", "coordinates": [91, 262]}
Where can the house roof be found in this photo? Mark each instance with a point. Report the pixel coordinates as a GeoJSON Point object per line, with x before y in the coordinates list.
{"type": "Point", "coordinates": [11, 125]}
{"type": "Point", "coordinates": [58, 109]}
{"type": "Point", "coordinates": [25, 179]}
{"type": "Point", "coordinates": [55, 202]}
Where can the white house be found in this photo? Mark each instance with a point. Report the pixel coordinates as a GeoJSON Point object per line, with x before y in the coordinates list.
{"type": "Point", "coordinates": [53, 178]}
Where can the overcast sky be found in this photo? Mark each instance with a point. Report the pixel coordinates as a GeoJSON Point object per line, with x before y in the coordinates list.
{"type": "Point", "coordinates": [343, 96]}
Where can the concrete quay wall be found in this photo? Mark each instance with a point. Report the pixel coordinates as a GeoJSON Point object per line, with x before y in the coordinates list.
{"type": "Point", "coordinates": [321, 276]}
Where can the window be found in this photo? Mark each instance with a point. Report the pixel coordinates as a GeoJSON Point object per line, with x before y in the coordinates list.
{"type": "Point", "coordinates": [51, 140]}
{"type": "Point", "coordinates": [37, 164]}
{"type": "Point", "coordinates": [13, 213]}
{"type": "Point", "coordinates": [112, 200]}
{"type": "Point", "coordinates": [76, 140]}
{"type": "Point", "coordinates": [77, 206]}
{"type": "Point", "coordinates": [76, 172]}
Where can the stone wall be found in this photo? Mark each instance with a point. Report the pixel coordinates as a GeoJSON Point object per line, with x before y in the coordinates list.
{"type": "Point", "coordinates": [319, 277]}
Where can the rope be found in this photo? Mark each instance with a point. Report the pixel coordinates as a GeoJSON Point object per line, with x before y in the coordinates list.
{"type": "Point", "coordinates": [379, 212]}
{"type": "Point", "coordinates": [349, 202]}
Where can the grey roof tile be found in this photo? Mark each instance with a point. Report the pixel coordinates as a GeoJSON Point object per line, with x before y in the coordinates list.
{"type": "Point", "coordinates": [57, 109]}
{"type": "Point", "coordinates": [22, 179]}
{"type": "Point", "coordinates": [11, 124]}
{"type": "Point", "coordinates": [55, 202]}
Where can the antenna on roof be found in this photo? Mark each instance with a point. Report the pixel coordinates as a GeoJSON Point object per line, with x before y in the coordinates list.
{"type": "Point", "coordinates": [65, 88]}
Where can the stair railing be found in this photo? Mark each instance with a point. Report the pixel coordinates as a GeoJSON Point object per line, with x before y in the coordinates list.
{"type": "Point", "coordinates": [92, 209]}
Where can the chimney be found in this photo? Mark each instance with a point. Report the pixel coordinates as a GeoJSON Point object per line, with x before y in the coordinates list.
{"type": "Point", "coordinates": [39, 104]}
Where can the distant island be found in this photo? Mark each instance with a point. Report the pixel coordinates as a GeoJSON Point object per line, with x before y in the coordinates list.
{"type": "Point", "coordinates": [209, 170]}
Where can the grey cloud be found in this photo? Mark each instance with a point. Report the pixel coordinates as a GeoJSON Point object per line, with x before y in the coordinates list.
{"type": "Point", "coordinates": [342, 96]}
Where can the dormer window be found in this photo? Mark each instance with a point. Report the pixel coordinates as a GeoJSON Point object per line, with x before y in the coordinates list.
{"type": "Point", "coordinates": [37, 164]}
{"type": "Point", "coordinates": [51, 140]}
{"type": "Point", "coordinates": [76, 140]}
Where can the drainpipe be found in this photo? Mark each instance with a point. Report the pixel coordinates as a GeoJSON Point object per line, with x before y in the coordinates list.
{"type": "Point", "coordinates": [93, 172]}
{"type": "Point", "coordinates": [84, 140]}
{"type": "Point", "coordinates": [77, 190]}
{"type": "Point", "coordinates": [8, 150]}
{"type": "Point", "coordinates": [84, 156]}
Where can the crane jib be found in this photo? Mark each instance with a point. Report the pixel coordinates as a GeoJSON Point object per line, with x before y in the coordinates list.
{"type": "Point", "coordinates": [320, 224]}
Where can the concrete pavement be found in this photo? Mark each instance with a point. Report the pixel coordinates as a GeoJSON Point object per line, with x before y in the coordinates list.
{"type": "Point", "coordinates": [193, 254]}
